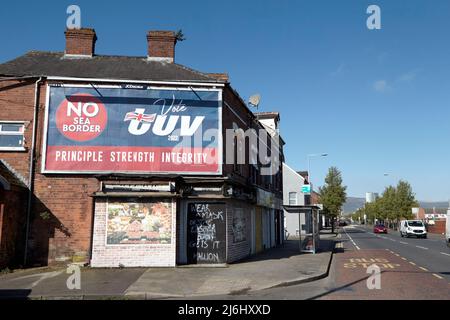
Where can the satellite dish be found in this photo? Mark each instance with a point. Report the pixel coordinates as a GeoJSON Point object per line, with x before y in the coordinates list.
{"type": "Point", "coordinates": [254, 100]}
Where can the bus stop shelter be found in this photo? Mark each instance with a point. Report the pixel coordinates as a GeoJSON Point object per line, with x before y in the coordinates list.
{"type": "Point", "coordinates": [309, 242]}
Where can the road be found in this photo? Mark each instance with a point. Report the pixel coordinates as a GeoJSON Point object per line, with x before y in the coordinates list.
{"type": "Point", "coordinates": [431, 254]}
{"type": "Point", "coordinates": [411, 268]}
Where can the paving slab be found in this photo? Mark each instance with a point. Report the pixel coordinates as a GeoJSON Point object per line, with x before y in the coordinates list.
{"type": "Point", "coordinates": [281, 266]}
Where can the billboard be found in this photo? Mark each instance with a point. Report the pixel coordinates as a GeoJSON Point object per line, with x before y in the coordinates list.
{"type": "Point", "coordinates": [132, 129]}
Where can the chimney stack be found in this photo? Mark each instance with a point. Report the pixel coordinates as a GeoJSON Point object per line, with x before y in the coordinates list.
{"type": "Point", "coordinates": [80, 42]}
{"type": "Point", "coordinates": [161, 45]}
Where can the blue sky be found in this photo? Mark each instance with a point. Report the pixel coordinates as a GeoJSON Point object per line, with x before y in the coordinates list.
{"type": "Point", "coordinates": [376, 101]}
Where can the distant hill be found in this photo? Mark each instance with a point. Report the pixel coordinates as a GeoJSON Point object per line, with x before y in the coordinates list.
{"type": "Point", "coordinates": [354, 203]}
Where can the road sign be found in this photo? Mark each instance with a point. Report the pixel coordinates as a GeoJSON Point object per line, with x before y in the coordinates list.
{"type": "Point", "coordinates": [306, 188]}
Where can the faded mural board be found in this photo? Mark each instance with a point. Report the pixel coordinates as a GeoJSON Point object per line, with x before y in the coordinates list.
{"type": "Point", "coordinates": [206, 235]}
{"type": "Point", "coordinates": [139, 222]}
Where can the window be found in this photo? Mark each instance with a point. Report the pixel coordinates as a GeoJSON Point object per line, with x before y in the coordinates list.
{"type": "Point", "coordinates": [415, 223]}
{"type": "Point", "coordinates": [12, 135]}
{"type": "Point", "coordinates": [292, 198]}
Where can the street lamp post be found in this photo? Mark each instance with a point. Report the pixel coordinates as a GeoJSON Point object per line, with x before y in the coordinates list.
{"type": "Point", "coordinates": [387, 174]}
{"type": "Point", "coordinates": [309, 156]}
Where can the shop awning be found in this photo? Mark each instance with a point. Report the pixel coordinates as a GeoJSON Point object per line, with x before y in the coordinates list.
{"type": "Point", "coordinates": [301, 209]}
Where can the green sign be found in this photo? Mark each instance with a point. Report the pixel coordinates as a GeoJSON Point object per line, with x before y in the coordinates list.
{"type": "Point", "coordinates": [306, 188]}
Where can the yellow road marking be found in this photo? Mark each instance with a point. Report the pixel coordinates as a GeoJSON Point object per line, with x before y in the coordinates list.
{"type": "Point", "coordinates": [437, 276]}
{"type": "Point", "coordinates": [366, 262]}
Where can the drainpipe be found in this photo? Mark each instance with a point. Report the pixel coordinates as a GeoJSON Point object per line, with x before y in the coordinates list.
{"type": "Point", "coordinates": [31, 167]}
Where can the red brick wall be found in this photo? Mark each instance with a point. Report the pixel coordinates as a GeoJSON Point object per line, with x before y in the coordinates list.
{"type": "Point", "coordinates": [12, 231]}
{"type": "Point", "coordinates": [17, 104]}
{"type": "Point", "coordinates": [61, 219]}
{"type": "Point", "coordinates": [438, 227]}
{"type": "Point", "coordinates": [228, 118]}
{"type": "Point", "coordinates": [61, 222]}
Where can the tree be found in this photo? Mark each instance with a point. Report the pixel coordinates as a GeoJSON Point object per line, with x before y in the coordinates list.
{"type": "Point", "coordinates": [179, 36]}
{"type": "Point", "coordinates": [333, 194]}
{"type": "Point", "coordinates": [394, 204]}
{"type": "Point", "coordinates": [404, 201]}
{"type": "Point", "coordinates": [387, 203]}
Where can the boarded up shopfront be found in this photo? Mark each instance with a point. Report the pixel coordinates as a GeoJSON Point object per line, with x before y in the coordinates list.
{"type": "Point", "coordinates": [214, 231]}
{"type": "Point", "coordinates": [269, 207]}
{"type": "Point", "coordinates": [258, 230]}
{"type": "Point", "coordinates": [206, 233]}
{"type": "Point", "coordinates": [134, 232]}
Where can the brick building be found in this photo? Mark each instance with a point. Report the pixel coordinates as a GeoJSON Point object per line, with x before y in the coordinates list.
{"type": "Point", "coordinates": [99, 140]}
{"type": "Point", "coordinates": [13, 196]}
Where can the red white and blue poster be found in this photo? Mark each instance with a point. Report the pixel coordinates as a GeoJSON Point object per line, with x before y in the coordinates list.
{"type": "Point", "coordinates": [132, 129]}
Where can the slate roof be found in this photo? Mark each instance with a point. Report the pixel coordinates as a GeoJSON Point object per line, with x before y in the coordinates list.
{"type": "Point", "coordinates": [267, 115]}
{"type": "Point", "coordinates": [43, 63]}
{"type": "Point", "coordinates": [10, 175]}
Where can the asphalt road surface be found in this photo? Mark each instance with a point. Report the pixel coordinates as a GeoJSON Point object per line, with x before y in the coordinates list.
{"type": "Point", "coordinates": [409, 268]}
{"type": "Point", "coordinates": [432, 254]}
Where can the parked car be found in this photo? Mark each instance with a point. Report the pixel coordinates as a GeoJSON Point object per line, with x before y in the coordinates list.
{"type": "Point", "coordinates": [380, 228]}
{"type": "Point", "coordinates": [413, 228]}
{"type": "Point", "coordinates": [342, 223]}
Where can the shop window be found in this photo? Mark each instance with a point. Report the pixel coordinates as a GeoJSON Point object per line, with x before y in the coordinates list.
{"type": "Point", "coordinates": [12, 135]}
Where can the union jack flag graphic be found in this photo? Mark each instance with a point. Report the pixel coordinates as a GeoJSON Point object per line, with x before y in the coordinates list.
{"type": "Point", "coordinates": [141, 117]}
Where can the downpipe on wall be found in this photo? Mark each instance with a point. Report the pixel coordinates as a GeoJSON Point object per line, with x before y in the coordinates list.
{"type": "Point", "coordinates": [31, 167]}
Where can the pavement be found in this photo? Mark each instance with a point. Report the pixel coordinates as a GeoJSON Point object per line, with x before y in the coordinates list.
{"type": "Point", "coordinates": [278, 267]}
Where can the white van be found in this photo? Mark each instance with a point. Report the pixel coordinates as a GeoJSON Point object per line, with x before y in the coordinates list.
{"type": "Point", "coordinates": [447, 228]}
{"type": "Point", "coordinates": [413, 228]}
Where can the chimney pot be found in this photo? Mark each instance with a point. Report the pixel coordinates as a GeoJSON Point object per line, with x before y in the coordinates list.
{"type": "Point", "coordinates": [80, 42]}
{"type": "Point", "coordinates": [161, 45]}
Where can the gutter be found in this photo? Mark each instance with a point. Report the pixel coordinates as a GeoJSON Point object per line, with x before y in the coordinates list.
{"type": "Point", "coordinates": [193, 83]}
{"type": "Point", "coordinates": [31, 167]}
{"type": "Point", "coordinates": [18, 78]}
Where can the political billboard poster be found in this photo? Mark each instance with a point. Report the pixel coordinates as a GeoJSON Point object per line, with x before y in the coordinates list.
{"type": "Point", "coordinates": [132, 129]}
